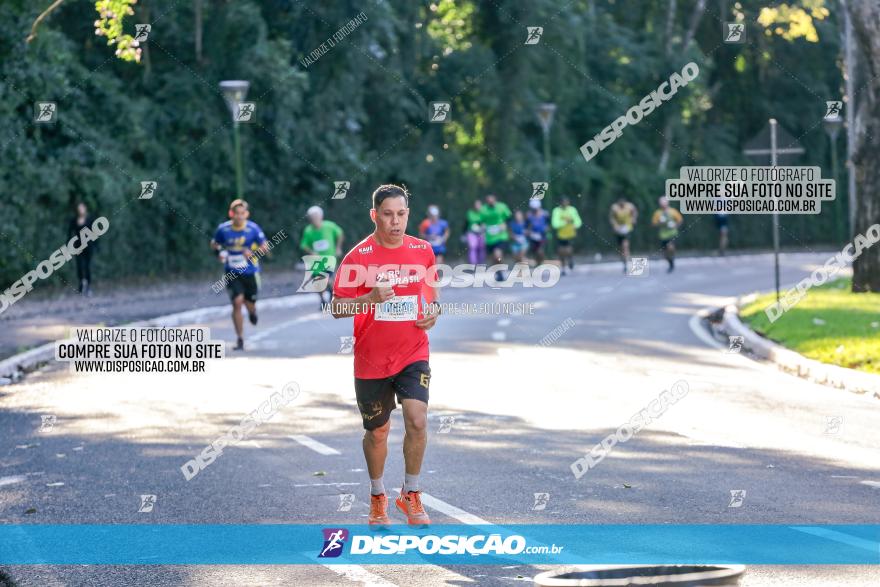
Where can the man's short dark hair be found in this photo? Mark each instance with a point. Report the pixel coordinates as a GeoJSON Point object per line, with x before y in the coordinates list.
{"type": "Point", "coordinates": [236, 203]}
{"type": "Point", "coordinates": [383, 192]}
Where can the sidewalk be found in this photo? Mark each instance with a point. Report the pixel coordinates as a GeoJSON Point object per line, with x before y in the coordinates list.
{"type": "Point", "coordinates": [36, 319]}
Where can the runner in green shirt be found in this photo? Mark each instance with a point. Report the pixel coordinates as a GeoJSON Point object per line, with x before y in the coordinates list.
{"type": "Point", "coordinates": [495, 215]}
{"type": "Point", "coordinates": [323, 239]}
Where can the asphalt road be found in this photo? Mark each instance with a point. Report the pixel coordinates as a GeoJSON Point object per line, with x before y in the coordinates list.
{"type": "Point", "coordinates": [508, 417]}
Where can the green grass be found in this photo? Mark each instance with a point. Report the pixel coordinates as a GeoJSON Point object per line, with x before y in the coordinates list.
{"type": "Point", "coordinates": [847, 338]}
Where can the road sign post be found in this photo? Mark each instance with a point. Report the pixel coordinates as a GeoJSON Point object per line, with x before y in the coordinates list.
{"type": "Point", "coordinates": [774, 151]}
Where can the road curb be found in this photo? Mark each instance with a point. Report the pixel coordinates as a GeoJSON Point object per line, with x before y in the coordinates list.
{"type": "Point", "coordinates": [11, 369]}
{"type": "Point", "coordinates": [614, 265]}
{"type": "Point", "coordinates": [788, 360]}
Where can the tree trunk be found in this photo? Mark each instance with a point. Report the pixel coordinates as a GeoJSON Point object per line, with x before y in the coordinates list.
{"type": "Point", "coordinates": [145, 47]}
{"type": "Point", "coordinates": [670, 26]}
{"type": "Point", "coordinates": [865, 16]}
{"type": "Point", "coordinates": [669, 125]}
{"type": "Point", "coordinates": [197, 8]}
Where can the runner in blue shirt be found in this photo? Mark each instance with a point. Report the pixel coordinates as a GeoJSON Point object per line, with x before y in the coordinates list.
{"type": "Point", "coordinates": [435, 230]}
{"type": "Point", "coordinates": [537, 227]}
{"type": "Point", "coordinates": [518, 242]}
{"type": "Point", "coordinates": [239, 244]}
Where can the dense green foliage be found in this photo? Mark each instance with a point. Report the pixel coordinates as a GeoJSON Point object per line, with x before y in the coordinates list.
{"type": "Point", "coordinates": [360, 113]}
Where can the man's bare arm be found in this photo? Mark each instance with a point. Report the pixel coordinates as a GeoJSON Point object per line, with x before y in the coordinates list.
{"type": "Point", "coordinates": [348, 307]}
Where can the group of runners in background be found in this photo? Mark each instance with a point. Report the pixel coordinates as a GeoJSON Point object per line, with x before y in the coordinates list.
{"type": "Point", "coordinates": [490, 231]}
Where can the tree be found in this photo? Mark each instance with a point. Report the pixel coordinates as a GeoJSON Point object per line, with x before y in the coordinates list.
{"type": "Point", "coordinates": [865, 18]}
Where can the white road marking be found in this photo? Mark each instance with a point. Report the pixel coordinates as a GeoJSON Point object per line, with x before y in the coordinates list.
{"type": "Point", "coordinates": [358, 574]}
{"type": "Point", "coordinates": [871, 483]}
{"type": "Point", "coordinates": [318, 447]}
{"type": "Point", "coordinates": [269, 331]}
{"type": "Point", "coordinates": [844, 477]}
{"type": "Point", "coordinates": [839, 537]}
{"type": "Point", "coordinates": [322, 484]}
{"type": "Point", "coordinates": [450, 510]}
{"type": "Point", "coordinates": [12, 480]}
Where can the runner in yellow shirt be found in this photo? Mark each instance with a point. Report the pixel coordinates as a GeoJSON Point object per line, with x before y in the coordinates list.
{"type": "Point", "coordinates": [623, 216]}
{"type": "Point", "coordinates": [667, 219]}
{"type": "Point", "coordinates": [565, 220]}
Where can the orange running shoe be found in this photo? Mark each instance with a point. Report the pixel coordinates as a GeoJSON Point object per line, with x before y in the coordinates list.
{"type": "Point", "coordinates": [410, 504]}
{"type": "Point", "coordinates": [379, 511]}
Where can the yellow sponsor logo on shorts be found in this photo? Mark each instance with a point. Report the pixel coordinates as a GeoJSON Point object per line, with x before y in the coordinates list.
{"type": "Point", "coordinates": [371, 410]}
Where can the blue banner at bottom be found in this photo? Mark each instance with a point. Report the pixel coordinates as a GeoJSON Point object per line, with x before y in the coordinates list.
{"type": "Point", "coordinates": [440, 544]}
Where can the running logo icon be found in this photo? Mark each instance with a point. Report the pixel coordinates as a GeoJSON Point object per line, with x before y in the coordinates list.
{"type": "Point", "coordinates": [736, 344]}
{"type": "Point", "coordinates": [533, 34]}
{"type": "Point", "coordinates": [44, 112]}
{"type": "Point", "coordinates": [638, 266]}
{"type": "Point", "coordinates": [334, 541]}
{"type": "Point", "coordinates": [47, 422]}
{"type": "Point", "coordinates": [737, 497]}
{"type": "Point", "coordinates": [147, 503]}
{"type": "Point", "coordinates": [317, 274]}
{"type": "Point", "coordinates": [142, 32]}
{"type": "Point", "coordinates": [440, 112]}
{"type": "Point", "coordinates": [833, 109]}
{"type": "Point", "coordinates": [541, 501]}
{"type": "Point", "coordinates": [346, 500]}
{"type": "Point", "coordinates": [833, 424]}
{"type": "Point", "coordinates": [245, 112]}
{"type": "Point", "coordinates": [734, 32]}
{"type": "Point", "coordinates": [340, 189]}
{"type": "Point", "coordinates": [539, 189]}
{"type": "Point", "coordinates": [346, 345]}
{"type": "Point", "coordinates": [148, 188]}
{"type": "Point", "coordinates": [446, 423]}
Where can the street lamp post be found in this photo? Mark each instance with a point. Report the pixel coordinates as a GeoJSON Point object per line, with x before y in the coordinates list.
{"type": "Point", "coordinates": [234, 92]}
{"type": "Point", "coordinates": [833, 125]}
{"type": "Point", "coordinates": [545, 113]}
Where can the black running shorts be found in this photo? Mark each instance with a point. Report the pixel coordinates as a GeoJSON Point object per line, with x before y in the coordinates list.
{"type": "Point", "coordinates": [246, 285]}
{"type": "Point", "coordinates": [375, 397]}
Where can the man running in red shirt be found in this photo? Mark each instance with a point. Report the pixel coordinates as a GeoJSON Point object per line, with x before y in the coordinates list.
{"type": "Point", "coordinates": [381, 282]}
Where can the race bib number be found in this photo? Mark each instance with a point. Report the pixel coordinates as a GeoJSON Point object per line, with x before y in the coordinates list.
{"type": "Point", "coordinates": [398, 309]}
{"type": "Point", "coordinates": [321, 245]}
{"type": "Point", "coordinates": [236, 261]}
{"type": "Point", "coordinates": [494, 229]}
